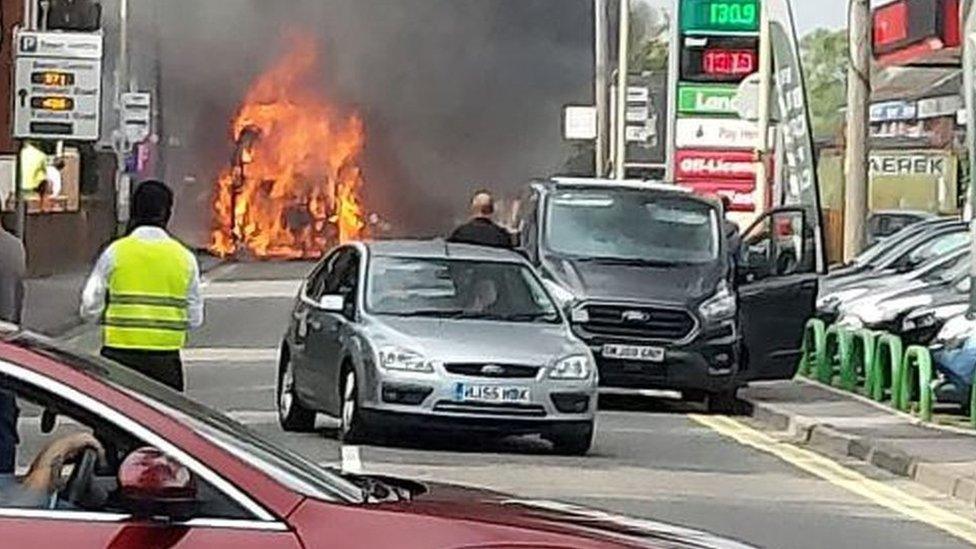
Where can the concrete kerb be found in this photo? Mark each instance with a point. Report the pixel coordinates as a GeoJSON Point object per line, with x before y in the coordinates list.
{"type": "Point", "coordinates": [834, 442]}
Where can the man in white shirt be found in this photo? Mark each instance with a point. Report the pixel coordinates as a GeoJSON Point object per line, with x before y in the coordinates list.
{"type": "Point", "coordinates": [145, 291]}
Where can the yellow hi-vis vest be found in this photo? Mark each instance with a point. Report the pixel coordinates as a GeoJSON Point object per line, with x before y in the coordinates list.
{"type": "Point", "coordinates": [147, 295]}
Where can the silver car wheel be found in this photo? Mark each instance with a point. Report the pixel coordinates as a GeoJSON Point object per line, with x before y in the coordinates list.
{"type": "Point", "coordinates": [348, 402]}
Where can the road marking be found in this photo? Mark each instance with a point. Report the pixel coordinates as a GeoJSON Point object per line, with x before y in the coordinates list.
{"type": "Point", "coordinates": [838, 475]}
{"type": "Point", "coordinates": [215, 354]}
{"type": "Point", "coordinates": [250, 289]}
{"type": "Point", "coordinates": [253, 417]}
{"type": "Point", "coordinates": [351, 460]}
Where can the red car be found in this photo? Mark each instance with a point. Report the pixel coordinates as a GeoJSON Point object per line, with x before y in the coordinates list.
{"type": "Point", "coordinates": [177, 474]}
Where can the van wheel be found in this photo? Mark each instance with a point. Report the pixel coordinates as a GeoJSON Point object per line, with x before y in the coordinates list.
{"type": "Point", "coordinates": [571, 440]}
{"type": "Point", "coordinates": [352, 426]}
{"type": "Point", "coordinates": [291, 414]}
{"type": "Point", "coordinates": [722, 402]}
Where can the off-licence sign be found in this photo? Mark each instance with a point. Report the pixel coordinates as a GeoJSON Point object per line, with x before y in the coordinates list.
{"type": "Point", "coordinates": [719, 16]}
{"type": "Point", "coordinates": [706, 99]}
{"type": "Point", "coordinates": [698, 165]}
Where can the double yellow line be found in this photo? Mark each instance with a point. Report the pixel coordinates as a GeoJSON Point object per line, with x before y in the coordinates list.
{"type": "Point", "coordinates": [838, 475]}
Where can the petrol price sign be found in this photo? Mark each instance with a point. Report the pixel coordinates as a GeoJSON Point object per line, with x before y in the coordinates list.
{"type": "Point", "coordinates": [711, 16]}
{"type": "Point", "coordinates": [718, 58]}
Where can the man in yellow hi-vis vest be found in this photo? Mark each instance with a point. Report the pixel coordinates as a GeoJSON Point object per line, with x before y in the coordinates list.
{"type": "Point", "coordinates": [145, 291]}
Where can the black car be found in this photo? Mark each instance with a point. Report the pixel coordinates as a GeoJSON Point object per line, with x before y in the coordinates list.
{"type": "Point", "coordinates": [654, 289]}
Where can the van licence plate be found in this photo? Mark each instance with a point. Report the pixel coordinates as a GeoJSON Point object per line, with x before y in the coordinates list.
{"type": "Point", "coordinates": [634, 352]}
{"type": "Point", "coordinates": [469, 392]}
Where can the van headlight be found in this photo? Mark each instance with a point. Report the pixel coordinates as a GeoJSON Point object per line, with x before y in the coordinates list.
{"type": "Point", "coordinates": [572, 367]}
{"type": "Point", "coordinates": [721, 306]}
{"type": "Point", "coordinates": [404, 360]}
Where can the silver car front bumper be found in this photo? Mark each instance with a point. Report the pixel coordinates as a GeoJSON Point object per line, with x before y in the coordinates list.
{"type": "Point", "coordinates": [437, 396]}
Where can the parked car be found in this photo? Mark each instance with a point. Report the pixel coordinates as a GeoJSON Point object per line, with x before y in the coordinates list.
{"type": "Point", "coordinates": [954, 357]}
{"type": "Point", "coordinates": [178, 473]}
{"type": "Point", "coordinates": [866, 258]}
{"type": "Point", "coordinates": [433, 334]}
{"type": "Point", "coordinates": [884, 223]}
{"type": "Point", "coordinates": [652, 286]}
{"type": "Point", "coordinates": [885, 309]}
{"type": "Point", "coordinates": [907, 256]}
{"type": "Point", "coordinates": [920, 326]}
{"type": "Point", "coordinates": [829, 303]}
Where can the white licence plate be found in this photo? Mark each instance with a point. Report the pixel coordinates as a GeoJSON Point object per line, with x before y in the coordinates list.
{"type": "Point", "coordinates": [634, 352]}
{"type": "Point", "coordinates": [468, 392]}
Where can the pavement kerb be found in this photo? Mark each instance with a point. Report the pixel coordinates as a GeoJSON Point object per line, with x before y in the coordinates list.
{"type": "Point", "coordinates": [831, 441]}
{"type": "Point", "coordinates": [914, 420]}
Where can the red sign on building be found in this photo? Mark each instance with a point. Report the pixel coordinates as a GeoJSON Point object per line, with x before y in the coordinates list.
{"type": "Point", "coordinates": [710, 165]}
{"type": "Point", "coordinates": [906, 30]}
{"type": "Point", "coordinates": [742, 194]}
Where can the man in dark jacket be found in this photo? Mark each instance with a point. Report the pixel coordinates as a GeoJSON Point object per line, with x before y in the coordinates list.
{"type": "Point", "coordinates": [13, 265]}
{"type": "Point", "coordinates": [480, 229]}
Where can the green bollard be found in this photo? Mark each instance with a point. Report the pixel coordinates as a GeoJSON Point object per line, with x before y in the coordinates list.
{"type": "Point", "coordinates": [972, 403]}
{"type": "Point", "coordinates": [814, 336]}
{"type": "Point", "coordinates": [917, 358]}
{"type": "Point", "coordinates": [888, 358]}
{"type": "Point", "coordinates": [862, 359]}
{"type": "Point", "coordinates": [838, 347]}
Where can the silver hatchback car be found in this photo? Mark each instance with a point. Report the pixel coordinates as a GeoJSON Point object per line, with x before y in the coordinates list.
{"type": "Point", "coordinates": [434, 335]}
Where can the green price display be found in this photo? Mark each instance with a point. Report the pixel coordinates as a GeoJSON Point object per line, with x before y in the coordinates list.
{"type": "Point", "coordinates": [720, 15]}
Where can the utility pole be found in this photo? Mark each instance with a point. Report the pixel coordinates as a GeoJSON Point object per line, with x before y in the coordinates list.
{"type": "Point", "coordinates": [856, 162]}
{"type": "Point", "coordinates": [122, 185]}
{"type": "Point", "coordinates": [623, 52]}
{"type": "Point", "coordinates": [765, 92]}
{"type": "Point", "coordinates": [600, 83]}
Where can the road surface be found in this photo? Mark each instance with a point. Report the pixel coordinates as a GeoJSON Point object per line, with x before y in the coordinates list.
{"type": "Point", "coordinates": [653, 458]}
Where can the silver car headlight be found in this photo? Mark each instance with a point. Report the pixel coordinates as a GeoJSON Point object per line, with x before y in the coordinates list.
{"type": "Point", "coordinates": [572, 367]}
{"type": "Point", "coordinates": [956, 331]}
{"type": "Point", "coordinates": [404, 360]}
{"type": "Point", "coordinates": [721, 306]}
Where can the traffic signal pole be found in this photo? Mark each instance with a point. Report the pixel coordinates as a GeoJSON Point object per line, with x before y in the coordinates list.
{"type": "Point", "coordinates": [856, 162]}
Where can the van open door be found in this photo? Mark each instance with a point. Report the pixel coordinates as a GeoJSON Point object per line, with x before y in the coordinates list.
{"type": "Point", "coordinates": [777, 282]}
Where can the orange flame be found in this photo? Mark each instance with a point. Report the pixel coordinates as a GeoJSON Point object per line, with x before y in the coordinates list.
{"type": "Point", "coordinates": [293, 189]}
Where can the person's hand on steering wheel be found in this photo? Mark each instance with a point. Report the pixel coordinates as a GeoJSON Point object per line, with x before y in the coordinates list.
{"type": "Point", "coordinates": [83, 449]}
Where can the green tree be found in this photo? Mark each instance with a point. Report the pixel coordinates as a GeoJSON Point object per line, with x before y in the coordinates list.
{"type": "Point", "coordinates": [649, 33]}
{"type": "Point", "coordinates": [825, 61]}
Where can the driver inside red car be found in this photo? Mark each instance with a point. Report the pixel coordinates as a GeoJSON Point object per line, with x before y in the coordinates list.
{"type": "Point", "coordinates": [44, 478]}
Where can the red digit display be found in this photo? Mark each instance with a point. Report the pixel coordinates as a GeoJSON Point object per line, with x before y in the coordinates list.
{"type": "Point", "coordinates": [729, 62]}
